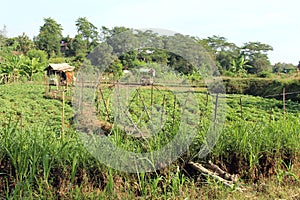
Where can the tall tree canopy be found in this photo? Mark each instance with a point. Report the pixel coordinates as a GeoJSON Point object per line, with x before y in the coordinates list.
{"type": "Point", "coordinates": [88, 32]}
{"type": "Point", "coordinates": [223, 51]}
{"type": "Point", "coordinates": [256, 54]}
{"type": "Point", "coordinates": [49, 37]}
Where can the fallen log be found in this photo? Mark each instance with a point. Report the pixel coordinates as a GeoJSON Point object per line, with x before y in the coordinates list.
{"type": "Point", "coordinates": [216, 173]}
{"type": "Point", "coordinates": [221, 173]}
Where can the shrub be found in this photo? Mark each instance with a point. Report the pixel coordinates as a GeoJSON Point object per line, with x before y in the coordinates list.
{"type": "Point", "coordinates": [264, 74]}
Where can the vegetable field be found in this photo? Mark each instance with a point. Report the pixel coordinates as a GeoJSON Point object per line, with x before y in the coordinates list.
{"type": "Point", "coordinates": [260, 142]}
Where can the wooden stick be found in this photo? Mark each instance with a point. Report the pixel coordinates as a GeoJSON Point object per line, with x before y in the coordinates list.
{"type": "Point", "coordinates": [216, 110]}
{"type": "Point", "coordinates": [222, 173]}
{"type": "Point", "coordinates": [162, 109]}
{"type": "Point", "coordinates": [203, 170]}
{"type": "Point", "coordinates": [284, 108]}
{"type": "Point", "coordinates": [63, 115]}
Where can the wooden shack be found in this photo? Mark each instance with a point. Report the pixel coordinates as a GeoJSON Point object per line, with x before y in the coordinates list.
{"type": "Point", "coordinates": [60, 74]}
{"type": "Point", "coordinates": [147, 76]}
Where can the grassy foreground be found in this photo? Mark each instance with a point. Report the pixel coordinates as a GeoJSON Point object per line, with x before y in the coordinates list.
{"type": "Point", "coordinates": [258, 142]}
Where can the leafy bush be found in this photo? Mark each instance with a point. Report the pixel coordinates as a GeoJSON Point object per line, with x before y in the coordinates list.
{"type": "Point", "coordinates": [57, 60]}
{"type": "Point", "coordinates": [38, 54]}
{"type": "Point", "coordinates": [262, 87]}
{"type": "Point", "coordinates": [264, 74]}
{"type": "Point", "coordinates": [229, 73]}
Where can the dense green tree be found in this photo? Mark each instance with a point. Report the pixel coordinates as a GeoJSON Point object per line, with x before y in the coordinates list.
{"type": "Point", "coordinates": [79, 46]}
{"type": "Point", "coordinates": [11, 44]}
{"type": "Point", "coordinates": [284, 68]}
{"type": "Point", "coordinates": [22, 43]}
{"type": "Point", "coordinates": [66, 46]}
{"type": "Point", "coordinates": [122, 41]}
{"type": "Point", "coordinates": [25, 43]}
{"type": "Point", "coordinates": [107, 33]}
{"type": "Point", "coordinates": [101, 57]}
{"type": "Point", "coordinates": [88, 32]}
{"type": "Point", "coordinates": [49, 37]}
{"type": "Point", "coordinates": [223, 51]}
{"type": "Point", "coordinates": [256, 54]}
{"type": "Point", "coordinates": [187, 55]}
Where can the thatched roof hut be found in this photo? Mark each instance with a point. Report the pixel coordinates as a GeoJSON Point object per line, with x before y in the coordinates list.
{"type": "Point", "coordinates": [63, 71]}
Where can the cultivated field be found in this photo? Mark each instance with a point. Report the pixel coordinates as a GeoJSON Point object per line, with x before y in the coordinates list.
{"type": "Point", "coordinates": [43, 157]}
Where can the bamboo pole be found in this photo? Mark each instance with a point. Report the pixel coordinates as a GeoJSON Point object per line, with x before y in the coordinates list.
{"type": "Point", "coordinates": [163, 109]}
{"type": "Point", "coordinates": [284, 106]}
{"type": "Point", "coordinates": [216, 110]}
{"type": "Point", "coordinates": [63, 115]}
{"type": "Point", "coordinates": [151, 103]}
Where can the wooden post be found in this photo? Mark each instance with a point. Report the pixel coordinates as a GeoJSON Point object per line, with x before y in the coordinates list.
{"type": "Point", "coordinates": [151, 103]}
{"type": "Point", "coordinates": [206, 103]}
{"type": "Point", "coordinates": [284, 107]}
{"type": "Point", "coordinates": [63, 115]}
{"type": "Point", "coordinates": [216, 110]}
{"type": "Point", "coordinates": [81, 94]}
{"type": "Point", "coordinates": [98, 101]}
{"type": "Point", "coordinates": [163, 109]}
{"type": "Point", "coordinates": [67, 88]}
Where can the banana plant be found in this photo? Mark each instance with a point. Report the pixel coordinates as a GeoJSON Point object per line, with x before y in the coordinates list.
{"type": "Point", "coordinates": [239, 65]}
{"type": "Point", "coordinates": [13, 67]}
{"type": "Point", "coordinates": [33, 66]}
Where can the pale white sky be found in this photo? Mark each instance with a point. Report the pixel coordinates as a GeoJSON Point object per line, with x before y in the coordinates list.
{"type": "Point", "coordinates": [274, 22]}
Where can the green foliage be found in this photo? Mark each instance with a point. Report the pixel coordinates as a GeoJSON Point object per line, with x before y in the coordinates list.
{"type": "Point", "coordinates": [41, 163]}
{"type": "Point", "coordinates": [264, 74]}
{"type": "Point", "coordinates": [239, 66]}
{"type": "Point", "coordinates": [49, 37]}
{"type": "Point", "coordinates": [22, 43]}
{"type": "Point", "coordinates": [38, 54]}
{"type": "Point", "coordinates": [223, 51]}
{"type": "Point", "coordinates": [57, 60]}
{"type": "Point", "coordinates": [89, 33]}
{"type": "Point", "coordinates": [16, 66]}
{"type": "Point", "coordinates": [284, 68]}
{"type": "Point", "coordinates": [256, 54]}
{"type": "Point", "coordinates": [262, 87]}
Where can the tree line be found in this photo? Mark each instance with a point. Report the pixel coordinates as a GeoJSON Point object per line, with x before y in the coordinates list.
{"type": "Point", "coordinates": [21, 56]}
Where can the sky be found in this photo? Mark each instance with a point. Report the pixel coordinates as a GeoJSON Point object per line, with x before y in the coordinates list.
{"type": "Point", "coordinates": [273, 22]}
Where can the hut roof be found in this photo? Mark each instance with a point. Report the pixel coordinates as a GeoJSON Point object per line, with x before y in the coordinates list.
{"type": "Point", "coordinates": [65, 67]}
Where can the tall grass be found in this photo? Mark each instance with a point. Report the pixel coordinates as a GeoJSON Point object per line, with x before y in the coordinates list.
{"type": "Point", "coordinates": [35, 162]}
